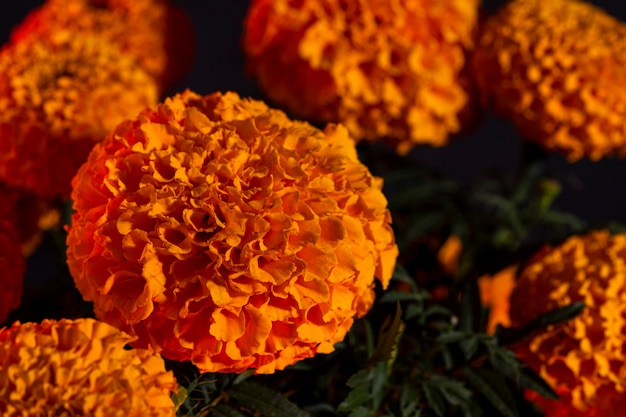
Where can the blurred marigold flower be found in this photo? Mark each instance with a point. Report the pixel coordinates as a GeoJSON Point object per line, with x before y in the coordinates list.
{"type": "Point", "coordinates": [219, 231]}
{"type": "Point", "coordinates": [495, 292]}
{"type": "Point", "coordinates": [58, 96]}
{"type": "Point", "coordinates": [79, 367]}
{"type": "Point", "coordinates": [556, 68]}
{"type": "Point", "coordinates": [584, 358]}
{"type": "Point", "coordinates": [157, 33]}
{"type": "Point", "coordinates": [12, 268]}
{"type": "Point", "coordinates": [386, 69]}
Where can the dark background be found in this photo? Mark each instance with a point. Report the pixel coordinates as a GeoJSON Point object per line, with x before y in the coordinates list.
{"type": "Point", "coordinates": [596, 195]}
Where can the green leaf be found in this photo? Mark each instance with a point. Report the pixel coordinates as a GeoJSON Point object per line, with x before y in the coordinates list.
{"type": "Point", "coordinates": [434, 398]}
{"type": "Point", "coordinates": [505, 362]}
{"type": "Point", "coordinates": [491, 385]}
{"type": "Point", "coordinates": [558, 315]}
{"type": "Point", "coordinates": [179, 397]}
{"type": "Point", "coordinates": [389, 337]}
{"type": "Point", "coordinates": [264, 400]}
{"type": "Point", "coordinates": [360, 394]}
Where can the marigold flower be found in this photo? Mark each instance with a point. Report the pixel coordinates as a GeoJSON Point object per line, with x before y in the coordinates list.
{"type": "Point", "coordinates": [12, 268]}
{"type": "Point", "coordinates": [219, 231]}
{"type": "Point", "coordinates": [157, 33]}
{"type": "Point", "coordinates": [386, 69]}
{"type": "Point", "coordinates": [58, 96]}
{"type": "Point", "coordinates": [449, 254]}
{"type": "Point", "coordinates": [79, 367]}
{"type": "Point", "coordinates": [556, 69]}
{"type": "Point", "coordinates": [584, 358]}
{"type": "Point", "coordinates": [495, 291]}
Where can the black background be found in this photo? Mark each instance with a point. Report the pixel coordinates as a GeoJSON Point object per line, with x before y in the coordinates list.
{"type": "Point", "coordinates": [597, 195]}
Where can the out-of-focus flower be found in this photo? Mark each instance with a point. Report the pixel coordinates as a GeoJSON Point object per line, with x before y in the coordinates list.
{"type": "Point", "coordinates": [219, 231]}
{"type": "Point", "coordinates": [556, 69]}
{"type": "Point", "coordinates": [12, 268]}
{"type": "Point", "coordinates": [584, 358]}
{"type": "Point", "coordinates": [495, 291]}
{"type": "Point", "coordinates": [79, 367]}
{"type": "Point", "coordinates": [449, 254]}
{"type": "Point", "coordinates": [158, 34]}
{"type": "Point", "coordinates": [386, 69]}
{"type": "Point", "coordinates": [58, 96]}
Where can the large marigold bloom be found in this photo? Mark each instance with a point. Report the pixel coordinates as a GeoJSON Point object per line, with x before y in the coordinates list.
{"type": "Point", "coordinates": [584, 358]}
{"type": "Point", "coordinates": [556, 69]}
{"type": "Point", "coordinates": [158, 34]}
{"type": "Point", "coordinates": [79, 367]}
{"type": "Point", "coordinates": [221, 232]}
{"type": "Point", "coordinates": [386, 69]}
{"type": "Point", "coordinates": [58, 96]}
{"type": "Point", "coordinates": [12, 268]}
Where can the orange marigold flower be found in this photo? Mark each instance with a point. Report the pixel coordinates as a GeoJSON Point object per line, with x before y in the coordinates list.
{"type": "Point", "coordinates": [221, 232]}
{"type": "Point", "coordinates": [386, 69]}
{"type": "Point", "coordinates": [157, 33]}
{"type": "Point", "coordinates": [12, 268]}
{"type": "Point", "coordinates": [449, 254]}
{"type": "Point", "coordinates": [495, 292]}
{"type": "Point", "coordinates": [584, 358]}
{"type": "Point", "coordinates": [556, 69]}
{"type": "Point", "coordinates": [58, 96]}
{"type": "Point", "coordinates": [79, 367]}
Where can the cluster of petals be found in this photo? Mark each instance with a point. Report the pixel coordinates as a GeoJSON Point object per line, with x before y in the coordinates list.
{"type": "Point", "coordinates": [12, 266]}
{"type": "Point", "coordinates": [495, 293]}
{"type": "Point", "coordinates": [556, 69]}
{"type": "Point", "coordinates": [392, 69]}
{"type": "Point", "coordinates": [79, 368]}
{"type": "Point", "coordinates": [58, 96]}
{"type": "Point", "coordinates": [219, 231]}
{"type": "Point", "coordinates": [584, 358]}
{"type": "Point", "coordinates": [157, 33]}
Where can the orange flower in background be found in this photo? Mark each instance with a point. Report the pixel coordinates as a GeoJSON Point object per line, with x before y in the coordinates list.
{"type": "Point", "coordinates": [79, 367]}
{"type": "Point", "coordinates": [495, 292]}
{"type": "Point", "coordinates": [386, 69]}
{"type": "Point", "coordinates": [12, 268]}
{"type": "Point", "coordinates": [219, 231]}
{"type": "Point", "coordinates": [59, 96]}
{"type": "Point", "coordinates": [584, 358]}
{"type": "Point", "coordinates": [157, 33]}
{"type": "Point", "coordinates": [556, 69]}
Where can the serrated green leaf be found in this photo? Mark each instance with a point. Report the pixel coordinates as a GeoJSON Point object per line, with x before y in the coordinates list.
{"type": "Point", "coordinates": [558, 315]}
{"type": "Point", "coordinates": [434, 398]}
{"type": "Point", "coordinates": [451, 337]}
{"type": "Point", "coordinates": [491, 385]}
{"type": "Point", "coordinates": [264, 400]}
{"type": "Point", "coordinates": [409, 401]}
{"type": "Point", "coordinates": [505, 362]}
{"type": "Point", "coordinates": [360, 393]}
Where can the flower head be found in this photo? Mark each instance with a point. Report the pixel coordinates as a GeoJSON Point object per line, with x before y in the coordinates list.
{"type": "Point", "coordinates": [556, 69]}
{"type": "Point", "coordinates": [495, 291]}
{"type": "Point", "coordinates": [12, 268]}
{"type": "Point", "coordinates": [219, 231]}
{"type": "Point", "coordinates": [155, 32]}
{"type": "Point", "coordinates": [58, 96]}
{"type": "Point", "coordinates": [583, 359]}
{"type": "Point", "coordinates": [79, 367]}
{"type": "Point", "coordinates": [386, 69]}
